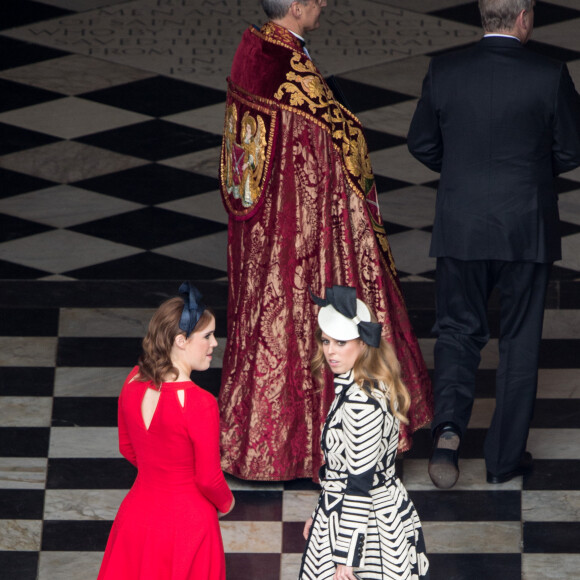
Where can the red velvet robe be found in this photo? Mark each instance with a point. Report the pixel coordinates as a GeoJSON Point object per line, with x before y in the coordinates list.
{"type": "Point", "coordinates": [297, 182]}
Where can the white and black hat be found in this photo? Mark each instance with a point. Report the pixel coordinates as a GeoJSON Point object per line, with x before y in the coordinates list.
{"type": "Point", "coordinates": [343, 317]}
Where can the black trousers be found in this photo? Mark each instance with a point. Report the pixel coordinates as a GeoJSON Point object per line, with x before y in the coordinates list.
{"type": "Point", "coordinates": [462, 292]}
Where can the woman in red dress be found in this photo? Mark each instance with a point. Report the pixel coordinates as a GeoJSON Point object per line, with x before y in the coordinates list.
{"type": "Point", "coordinates": [167, 526]}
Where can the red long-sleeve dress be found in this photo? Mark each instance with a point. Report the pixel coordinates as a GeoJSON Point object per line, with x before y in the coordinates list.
{"type": "Point", "coordinates": [167, 525]}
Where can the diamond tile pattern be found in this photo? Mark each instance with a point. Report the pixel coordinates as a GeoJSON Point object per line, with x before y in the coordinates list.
{"type": "Point", "coordinates": [109, 197]}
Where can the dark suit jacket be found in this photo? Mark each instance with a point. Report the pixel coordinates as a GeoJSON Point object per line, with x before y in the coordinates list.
{"type": "Point", "coordinates": [499, 122]}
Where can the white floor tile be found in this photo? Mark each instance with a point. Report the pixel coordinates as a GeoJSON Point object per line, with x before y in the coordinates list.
{"type": "Point", "coordinates": [204, 205]}
{"type": "Point", "coordinates": [74, 74]}
{"type": "Point", "coordinates": [25, 411]}
{"type": "Point", "coordinates": [255, 537]}
{"type": "Point", "coordinates": [82, 504]}
{"type": "Point", "coordinates": [105, 322]}
{"type": "Point", "coordinates": [27, 351]}
{"type": "Point", "coordinates": [63, 206]}
{"type": "Point", "coordinates": [89, 381]}
{"type": "Point", "coordinates": [209, 251]}
{"type": "Point", "coordinates": [23, 472]}
{"type": "Point", "coordinates": [68, 161]}
{"type": "Point", "coordinates": [66, 565]}
{"type": "Point", "coordinates": [84, 442]}
{"type": "Point", "coordinates": [411, 206]}
{"type": "Point", "coordinates": [61, 250]}
{"type": "Point", "coordinates": [71, 117]}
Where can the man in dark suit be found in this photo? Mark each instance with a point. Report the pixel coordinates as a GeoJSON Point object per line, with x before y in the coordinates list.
{"type": "Point", "coordinates": [499, 122]}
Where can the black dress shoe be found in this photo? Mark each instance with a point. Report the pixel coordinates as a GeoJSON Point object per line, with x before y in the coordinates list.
{"type": "Point", "coordinates": [524, 467]}
{"type": "Point", "coordinates": [443, 463]}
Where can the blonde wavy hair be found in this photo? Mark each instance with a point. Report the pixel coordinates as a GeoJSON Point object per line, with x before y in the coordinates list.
{"type": "Point", "coordinates": [373, 368]}
{"type": "Point", "coordinates": [155, 362]}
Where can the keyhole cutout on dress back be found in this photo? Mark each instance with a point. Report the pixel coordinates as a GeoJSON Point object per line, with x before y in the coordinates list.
{"type": "Point", "coordinates": [181, 397]}
{"type": "Point", "coordinates": [148, 406]}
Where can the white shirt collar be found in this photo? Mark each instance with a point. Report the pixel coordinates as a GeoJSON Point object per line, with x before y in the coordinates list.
{"type": "Point", "coordinates": [504, 35]}
{"type": "Point", "coordinates": [297, 36]}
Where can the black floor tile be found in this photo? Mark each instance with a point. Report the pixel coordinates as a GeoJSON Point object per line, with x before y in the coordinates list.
{"type": "Point", "coordinates": [18, 95]}
{"type": "Point", "coordinates": [84, 412]}
{"type": "Point", "coordinates": [14, 183]}
{"type": "Point", "coordinates": [568, 229]}
{"type": "Point", "coordinates": [564, 274]}
{"type": "Point", "coordinates": [563, 185]}
{"type": "Point", "coordinates": [392, 228]}
{"type": "Point", "coordinates": [559, 354]}
{"type": "Point", "coordinates": [209, 380]}
{"type": "Point", "coordinates": [157, 96]}
{"type": "Point", "coordinates": [385, 184]}
{"type": "Point", "coordinates": [106, 293]}
{"type": "Point", "coordinates": [15, 13]}
{"type": "Point", "coordinates": [95, 352]}
{"type": "Point", "coordinates": [150, 228]}
{"type": "Point", "coordinates": [468, 506]}
{"type": "Point", "coordinates": [553, 292]}
{"type": "Point", "coordinates": [73, 536]}
{"type": "Point", "coordinates": [293, 541]}
{"type": "Point", "coordinates": [546, 13]}
{"type": "Point", "coordinates": [377, 140]}
{"type": "Point", "coordinates": [301, 485]}
{"type": "Point", "coordinates": [21, 504]}
{"type": "Point", "coordinates": [19, 565]}
{"type": "Point", "coordinates": [465, 13]}
{"type": "Point", "coordinates": [430, 275]}
{"type": "Point", "coordinates": [252, 566]}
{"type": "Point", "coordinates": [554, 474]}
{"type": "Point", "coordinates": [24, 441]}
{"type": "Point", "coordinates": [475, 566]}
{"type": "Point", "coordinates": [220, 313]}
{"type": "Point", "coordinates": [26, 381]}
{"type": "Point", "coordinates": [471, 444]}
{"type": "Point", "coordinates": [17, 139]}
{"type": "Point", "coordinates": [419, 296]}
{"type": "Point", "coordinates": [485, 383]}
{"type": "Point", "coordinates": [28, 321]}
{"type": "Point", "coordinates": [422, 322]}
{"type": "Point", "coordinates": [153, 140]}
{"type": "Point", "coordinates": [151, 184]}
{"type": "Point", "coordinates": [13, 228]}
{"type": "Point", "coordinates": [147, 266]}
{"type": "Point", "coordinates": [257, 506]}
{"type": "Point", "coordinates": [361, 97]}
{"type": "Point", "coordinates": [12, 271]}
{"type": "Point", "coordinates": [569, 292]}
{"type": "Point", "coordinates": [551, 537]}
{"type": "Point", "coordinates": [90, 474]}
{"type": "Point", "coordinates": [15, 53]}
{"type": "Point", "coordinates": [557, 413]}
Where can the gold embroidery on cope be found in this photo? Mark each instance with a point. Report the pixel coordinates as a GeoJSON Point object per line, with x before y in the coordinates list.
{"type": "Point", "coordinates": [244, 160]}
{"type": "Point", "coordinates": [246, 153]}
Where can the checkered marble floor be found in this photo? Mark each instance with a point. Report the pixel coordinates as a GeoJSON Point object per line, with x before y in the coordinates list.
{"type": "Point", "coordinates": [110, 116]}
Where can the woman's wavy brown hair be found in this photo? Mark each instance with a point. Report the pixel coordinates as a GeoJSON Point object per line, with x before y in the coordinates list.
{"type": "Point", "coordinates": [373, 368]}
{"type": "Point", "coordinates": [155, 362]}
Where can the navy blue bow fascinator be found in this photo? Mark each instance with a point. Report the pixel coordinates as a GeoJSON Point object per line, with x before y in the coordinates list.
{"type": "Point", "coordinates": [193, 307]}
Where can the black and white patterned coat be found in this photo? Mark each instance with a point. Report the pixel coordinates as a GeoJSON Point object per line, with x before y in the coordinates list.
{"type": "Point", "coordinates": [364, 517]}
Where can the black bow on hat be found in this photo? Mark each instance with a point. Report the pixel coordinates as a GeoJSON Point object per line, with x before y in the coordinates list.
{"type": "Point", "coordinates": [193, 307]}
{"type": "Point", "coordinates": [343, 299]}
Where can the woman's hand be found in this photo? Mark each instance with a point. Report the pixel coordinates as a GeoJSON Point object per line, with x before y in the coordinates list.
{"type": "Point", "coordinates": [221, 515]}
{"type": "Point", "coordinates": [344, 573]}
{"type": "Point", "coordinates": [307, 527]}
